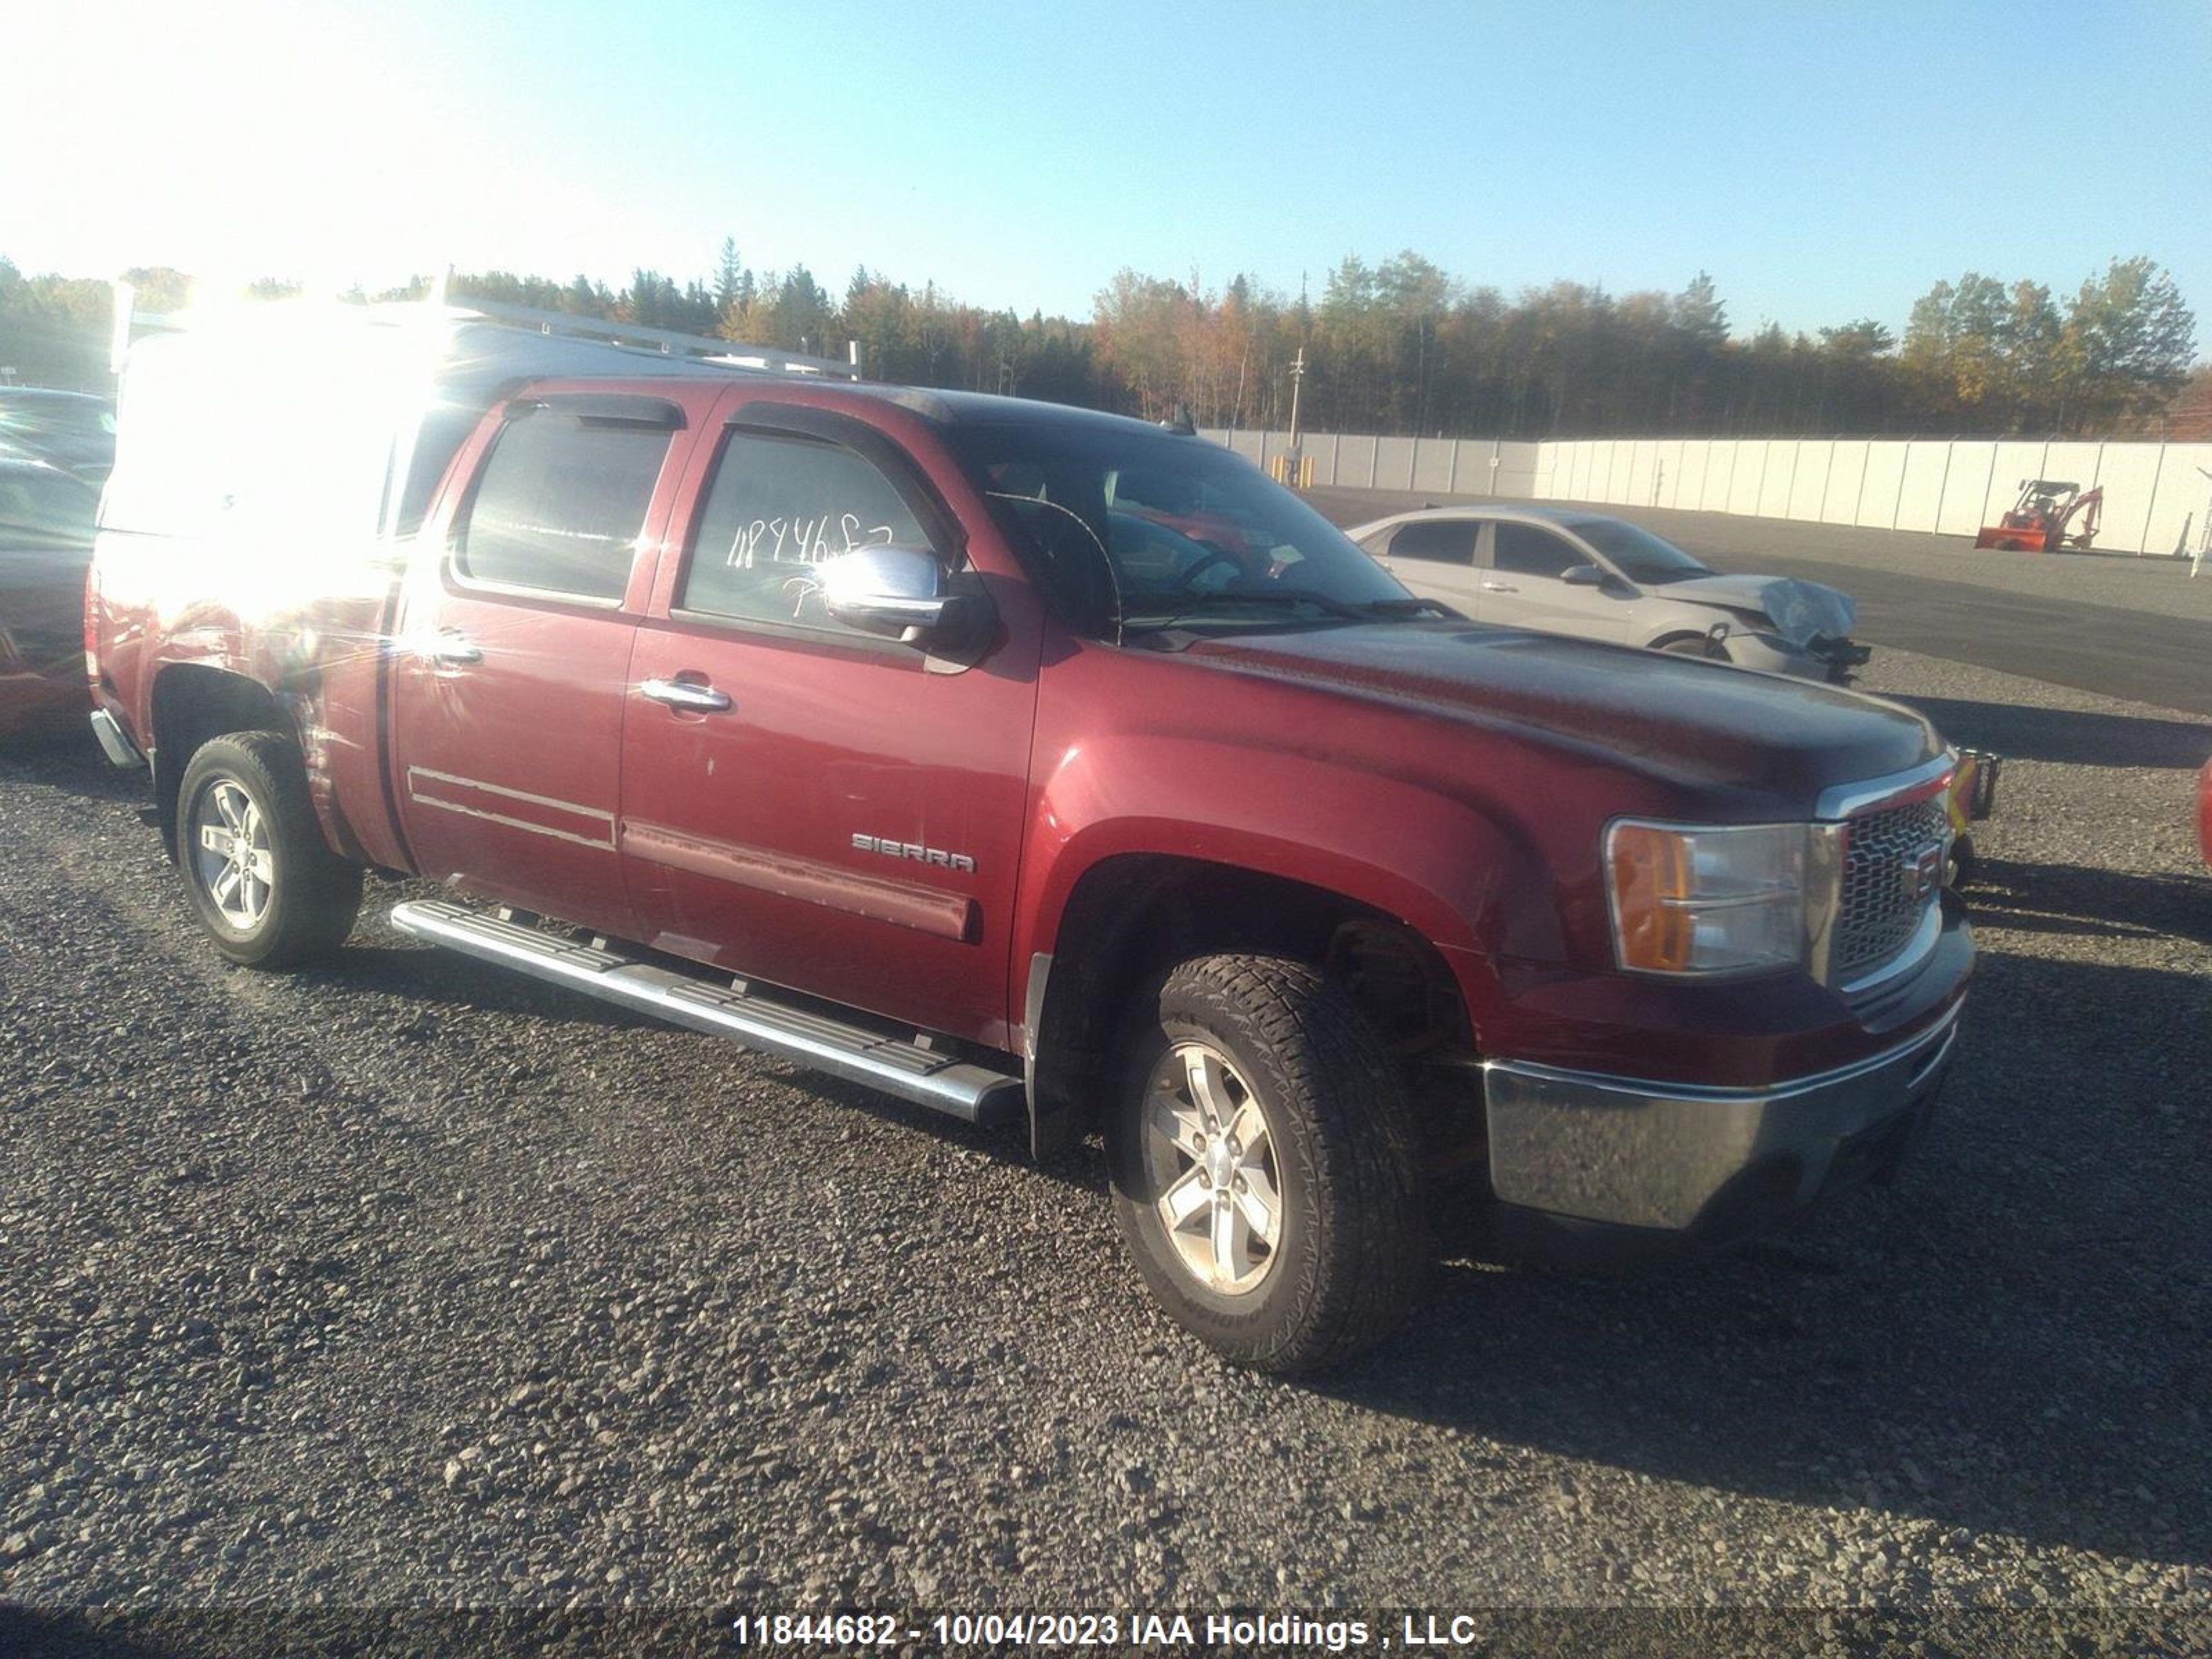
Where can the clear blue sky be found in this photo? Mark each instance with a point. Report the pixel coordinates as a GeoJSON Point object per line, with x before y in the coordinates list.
{"type": "Point", "coordinates": [1821, 162]}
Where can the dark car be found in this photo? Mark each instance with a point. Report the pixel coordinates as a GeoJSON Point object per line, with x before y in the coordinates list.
{"type": "Point", "coordinates": [72, 430]}
{"type": "Point", "coordinates": [46, 547]}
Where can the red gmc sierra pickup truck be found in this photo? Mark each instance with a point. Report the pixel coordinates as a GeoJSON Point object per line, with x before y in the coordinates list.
{"type": "Point", "coordinates": [939, 741]}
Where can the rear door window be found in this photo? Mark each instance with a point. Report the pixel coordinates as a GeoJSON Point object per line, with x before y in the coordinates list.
{"type": "Point", "coordinates": [1446, 541]}
{"type": "Point", "coordinates": [559, 506]}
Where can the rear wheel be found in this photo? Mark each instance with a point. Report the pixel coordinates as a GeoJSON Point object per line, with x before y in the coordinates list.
{"type": "Point", "coordinates": [1262, 1157]}
{"type": "Point", "coordinates": [267, 888]}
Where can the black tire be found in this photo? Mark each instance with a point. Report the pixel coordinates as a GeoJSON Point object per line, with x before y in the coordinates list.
{"type": "Point", "coordinates": [1966, 863]}
{"type": "Point", "coordinates": [311, 894]}
{"type": "Point", "coordinates": [1694, 644]}
{"type": "Point", "coordinates": [1353, 1252]}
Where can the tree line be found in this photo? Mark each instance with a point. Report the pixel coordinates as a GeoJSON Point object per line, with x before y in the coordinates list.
{"type": "Point", "coordinates": [1400, 346]}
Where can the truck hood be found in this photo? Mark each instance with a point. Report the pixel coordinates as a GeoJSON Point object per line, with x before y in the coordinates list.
{"type": "Point", "coordinates": [1799, 610]}
{"type": "Point", "coordinates": [1677, 718]}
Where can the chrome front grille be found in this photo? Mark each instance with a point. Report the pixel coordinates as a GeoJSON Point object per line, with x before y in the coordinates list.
{"type": "Point", "coordinates": [1893, 873]}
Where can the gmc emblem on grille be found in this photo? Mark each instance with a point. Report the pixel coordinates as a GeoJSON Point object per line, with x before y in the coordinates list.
{"type": "Point", "coordinates": [907, 849]}
{"type": "Point", "coordinates": [1924, 874]}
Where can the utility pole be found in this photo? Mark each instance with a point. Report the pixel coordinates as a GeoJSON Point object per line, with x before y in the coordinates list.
{"type": "Point", "coordinates": [1298, 378]}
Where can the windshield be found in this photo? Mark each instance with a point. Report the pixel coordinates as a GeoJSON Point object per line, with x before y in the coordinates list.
{"type": "Point", "coordinates": [1158, 531]}
{"type": "Point", "coordinates": [1637, 554]}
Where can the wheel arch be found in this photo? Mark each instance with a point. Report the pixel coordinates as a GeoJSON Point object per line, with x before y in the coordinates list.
{"type": "Point", "coordinates": [1132, 916]}
{"type": "Point", "coordinates": [190, 703]}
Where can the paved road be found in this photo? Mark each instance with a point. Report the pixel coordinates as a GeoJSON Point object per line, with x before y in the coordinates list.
{"type": "Point", "coordinates": [2138, 629]}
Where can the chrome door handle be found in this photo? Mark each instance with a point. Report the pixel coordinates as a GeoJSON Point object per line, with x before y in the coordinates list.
{"type": "Point", "coordinates": [686, 694]}
{"type": "Point", "coordinates": [449, 648]}
{"type": "Point", "coordinates": [1499, 587]}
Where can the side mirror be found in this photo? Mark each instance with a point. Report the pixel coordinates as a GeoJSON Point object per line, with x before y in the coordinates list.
{"type": "Point", "coordinates": [895, 592]}
{"type": "Point", "coordinates": [1582, 576]}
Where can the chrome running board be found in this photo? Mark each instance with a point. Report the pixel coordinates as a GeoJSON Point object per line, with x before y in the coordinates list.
{"type": "Point", "coordinates": [927, 1077]}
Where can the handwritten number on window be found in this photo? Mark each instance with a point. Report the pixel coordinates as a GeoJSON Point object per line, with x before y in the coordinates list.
{"type": "Point", "coordinates": [793, 540]}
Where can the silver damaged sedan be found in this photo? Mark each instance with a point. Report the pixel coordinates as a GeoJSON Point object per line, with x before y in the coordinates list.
{"type": "Point", "coordinates": [1567, 571]}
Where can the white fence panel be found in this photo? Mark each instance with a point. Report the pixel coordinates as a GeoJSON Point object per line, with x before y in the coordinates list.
{"type": "Point", "coordinates": [1394, 463]}
{"type": "Point", "coordinates": [1690, 483]}
{"type": "Point", "coordinates": [1839, 496]}
{"type": "Point", "coordinates": [2015, 462]}
{"type": "Point", "coordinates": [1549, 459]}
{"type": "Point", "coordinates": [1515, 475]}
{"type": "Point", "coordinates": [1605, 462]}
{"type": "Point", "coordinates": [1720, 473]}
{"type": "Point", "coordinates": [1774, 484]}
{"type": "Point", "coordinates": [2183, 497]}
{"type": "Point", "coordinates": [1618, 456]}
{"type": "Point", "coordinates": [1621, 488]}
{"type": "Point", "coordinates": [1355, 462]}
{"type": "Point", "coordinates": [1965, 489]}
{"type": "Point", "coordinates": [1583, 480]}
{"type": "Point", "coordinates": [1809, 482]}
{"type": "Point", "coordinates": [1750, 473]}
{"type": "Point", "coordinates": [1434, 459]}
{"type": "Point", "coordinates": [1471, 472]}
{"type": "Point", "coordinates": [2074, 462]}
{"type": "Point", "coordinates": [1879, 487]}
{"type": "Point", "coordinates": [1323, 450]}
{"type": "Point", "coordinates": [2129, 475]}
{"type": "Point", "coordinates": [1246, 444]}
{"type": "Point", "coordinates": [1642, 471]}
{"type": "Point", "coordinates": [1920, 491]}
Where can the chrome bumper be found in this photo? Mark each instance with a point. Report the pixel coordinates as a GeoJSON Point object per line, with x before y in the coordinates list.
{"type": "Point", "coordinates": [114, 741]}
{"type": "Point", "coordinates": [1587, 1147]}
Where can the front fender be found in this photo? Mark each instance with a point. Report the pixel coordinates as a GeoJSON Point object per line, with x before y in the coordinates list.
{"type": "Point", "coordinates": [1474, 883]}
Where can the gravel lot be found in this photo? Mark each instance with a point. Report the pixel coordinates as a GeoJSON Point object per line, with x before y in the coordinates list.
{"type": "Point", "coordinates": [402, 1283]}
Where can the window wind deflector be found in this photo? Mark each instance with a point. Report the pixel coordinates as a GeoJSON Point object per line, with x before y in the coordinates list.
{"type": "Point", "coordinates": [605, 409]}
{"type": "Point", "coordinates": [947, 536]}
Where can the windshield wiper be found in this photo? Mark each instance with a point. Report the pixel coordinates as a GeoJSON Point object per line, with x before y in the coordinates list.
{"type": "Point", "coordinates": [1409, 608]}
{"type": "Point", "coordinates": [1199, 605]}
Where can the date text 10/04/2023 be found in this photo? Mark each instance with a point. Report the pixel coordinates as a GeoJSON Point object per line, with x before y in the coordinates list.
{"type": "Point", "coordinates": [1089, 1630]}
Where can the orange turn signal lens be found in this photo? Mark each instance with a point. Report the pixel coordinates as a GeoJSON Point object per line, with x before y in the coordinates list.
{"type": "Point", "coordinates": [1707, 898]}
{"type": "Point", "coordinates": [1651, 866]}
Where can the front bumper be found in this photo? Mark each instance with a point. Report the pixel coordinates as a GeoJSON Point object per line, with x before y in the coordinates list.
{"type": "Point", "coordinates": [1591, 1168]}
{"type": "Point", "coordinates": [1824, 658]}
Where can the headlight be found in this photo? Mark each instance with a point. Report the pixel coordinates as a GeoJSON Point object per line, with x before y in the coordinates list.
{"type": "Point", "coordinates": [1695, 899]}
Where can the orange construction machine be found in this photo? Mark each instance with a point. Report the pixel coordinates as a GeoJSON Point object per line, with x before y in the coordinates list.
{"type": "Point", "coordinates": [2040, 523]}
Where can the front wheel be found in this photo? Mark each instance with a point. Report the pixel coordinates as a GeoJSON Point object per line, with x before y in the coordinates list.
{"type": "Point", "coordinates": [1263, 1164]}
{"type": "Point", "coordinates": [1695, 645]}
{"type": "Point", "coordinates": [268, 889]}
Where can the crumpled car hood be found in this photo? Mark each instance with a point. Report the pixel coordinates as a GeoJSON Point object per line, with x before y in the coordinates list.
{"type": "Point", "coordinates": [1800, 611]}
